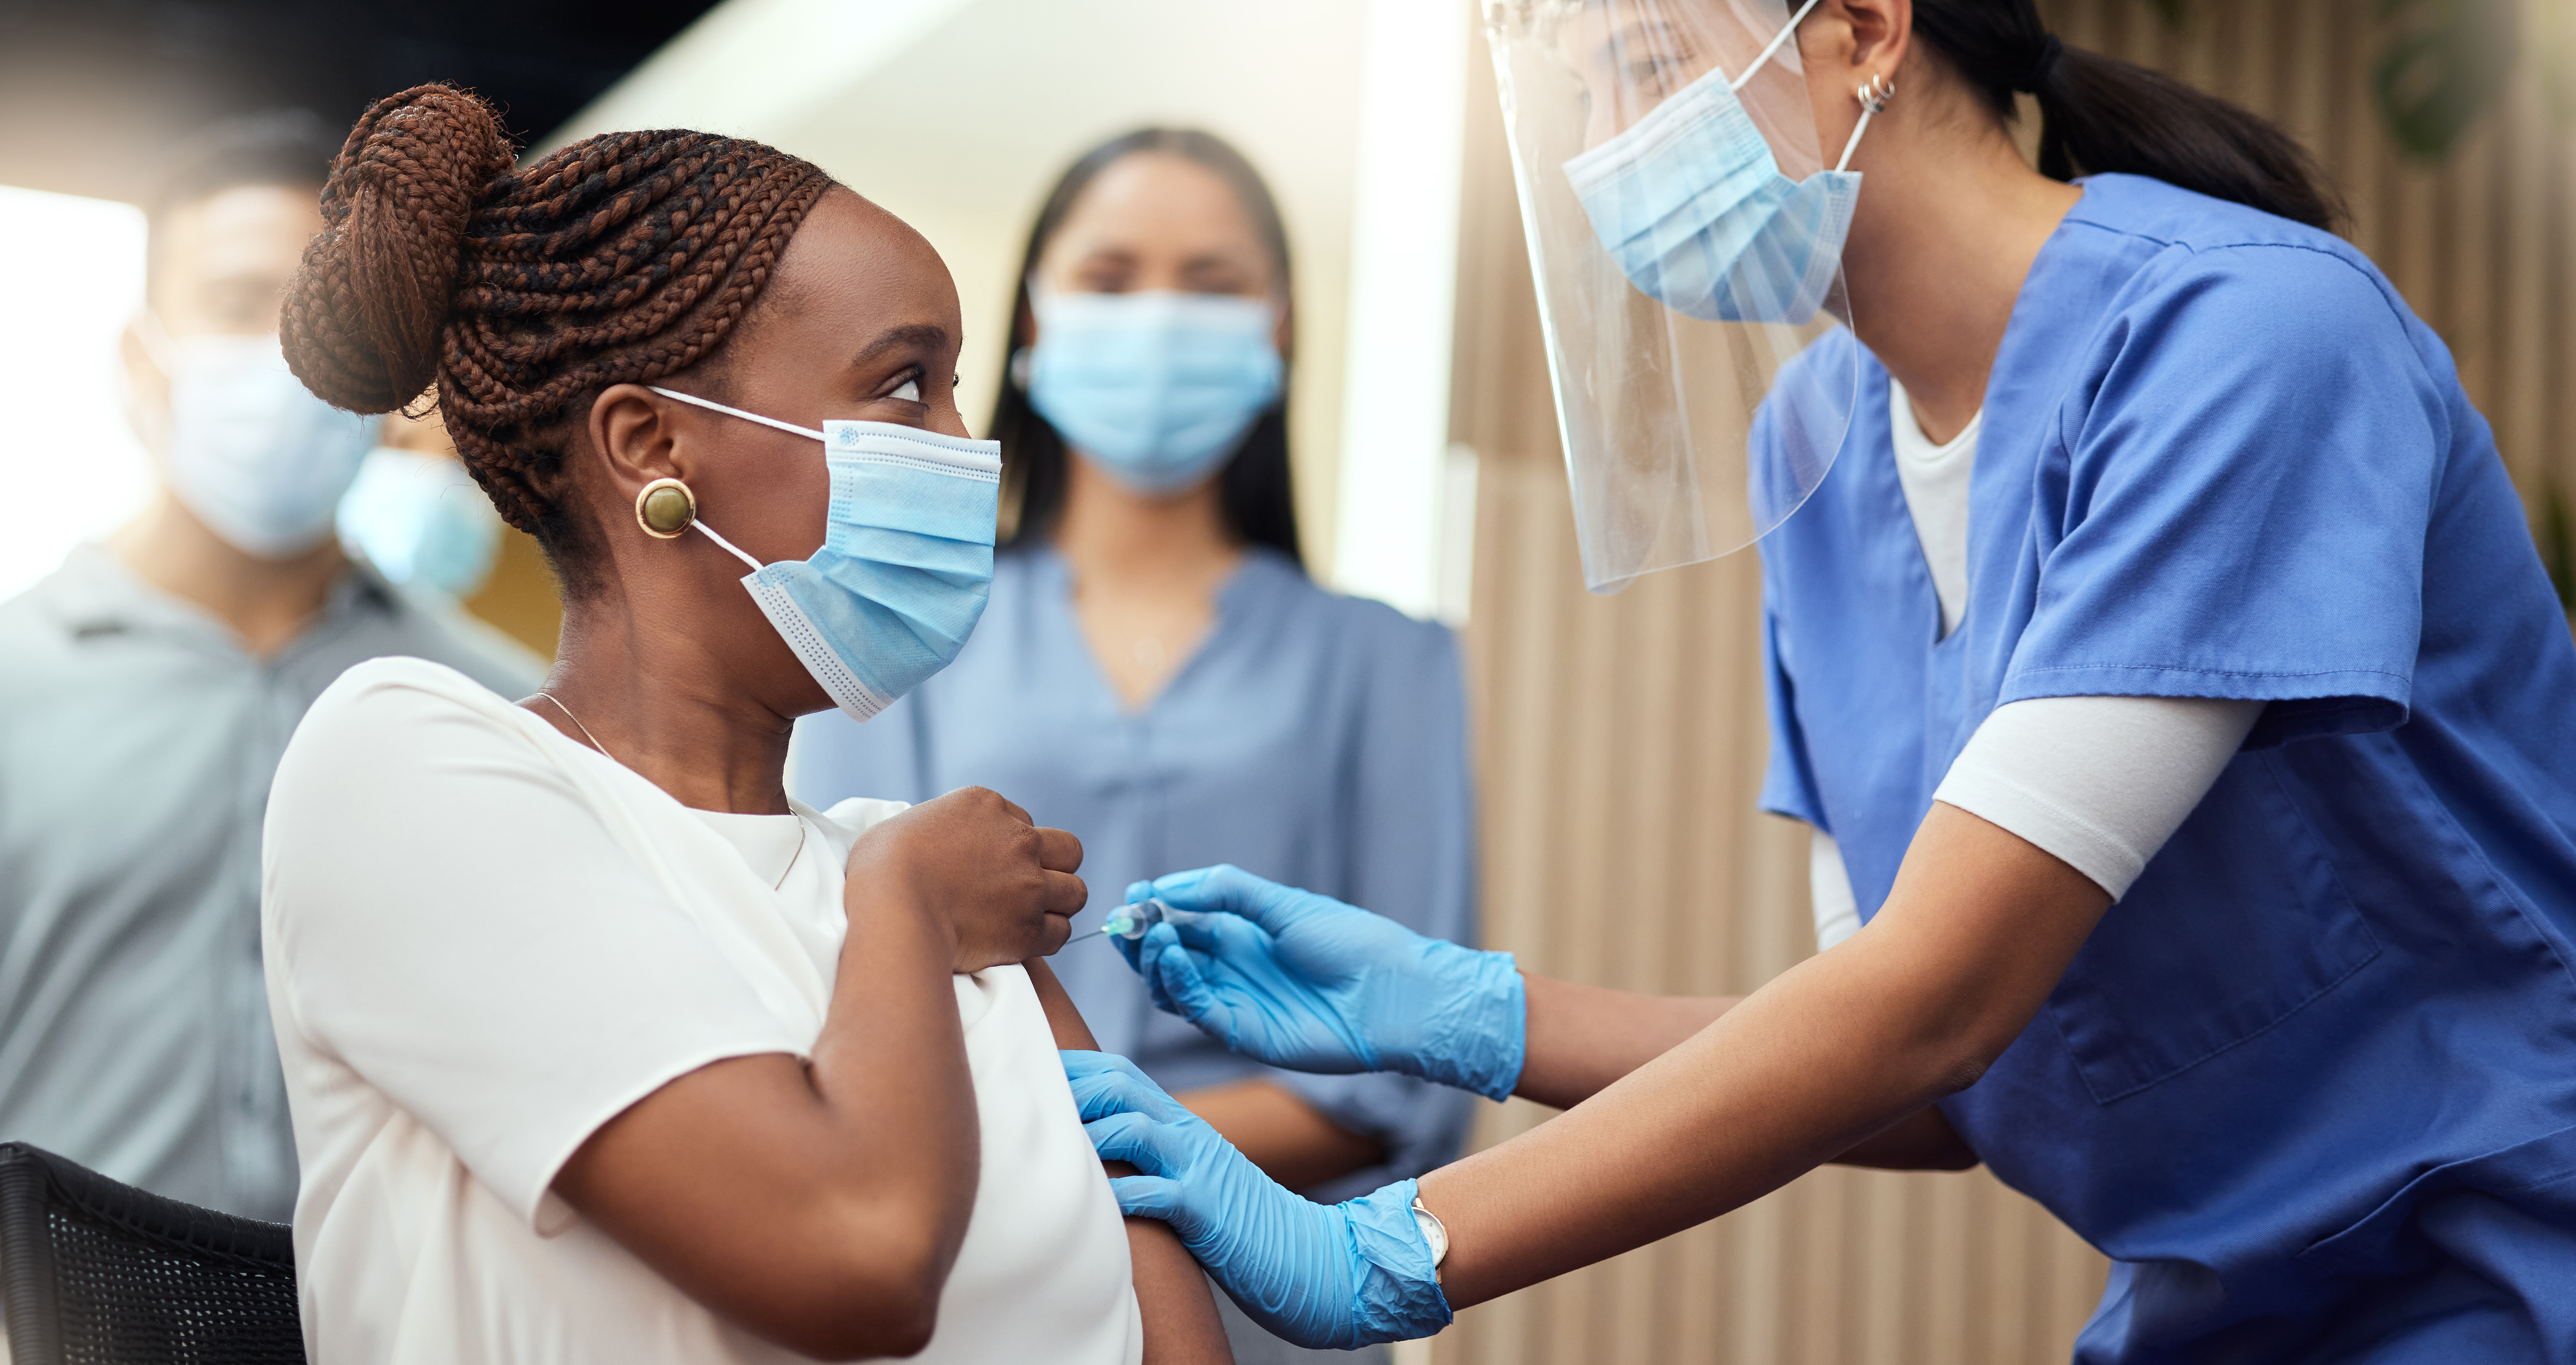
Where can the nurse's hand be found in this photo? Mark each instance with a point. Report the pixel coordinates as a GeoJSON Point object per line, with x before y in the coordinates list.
{"type": "Point", "coordinates": [1334, 1276]}
{"type": "Point", "coordinates": [1306, 982]}
{"type": "Point", "coordinates": [1002, 884]}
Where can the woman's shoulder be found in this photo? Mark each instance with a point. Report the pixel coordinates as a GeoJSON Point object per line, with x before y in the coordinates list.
{"type": "Point", "coordinates": [399, 689]}
{"type": "Point", "coordinates": [1276, 585]}
{"type": "Point", "coordinates": [2199, 248]}
{"type": "Point", "coordinates": [396, 712]}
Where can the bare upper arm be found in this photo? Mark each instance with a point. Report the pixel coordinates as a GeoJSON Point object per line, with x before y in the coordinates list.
{"type": "Point", "coordinates": [1071, 1034]}
{"type": "Point", "coordinates": [1181, 1325]}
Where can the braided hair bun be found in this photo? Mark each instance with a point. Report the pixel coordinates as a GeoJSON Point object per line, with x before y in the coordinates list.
{"type": "Point", "coordinates": [362, 323]}
{"type": "Point", "coordinates": [622, 258]}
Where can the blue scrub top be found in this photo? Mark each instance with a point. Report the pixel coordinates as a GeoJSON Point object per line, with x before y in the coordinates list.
{"type": "Point", "coordinates": [2312, 1083]}
{"type": "Point", "coordinates": [1314, 739]}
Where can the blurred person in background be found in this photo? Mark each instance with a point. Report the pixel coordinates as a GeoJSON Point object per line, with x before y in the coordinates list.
{"type": "Point", "coordinates": [415, 515]}
{"type": "Point", "coordinates": [148, 686]}
{"type": "Point", "coordinates": [1157, 674]}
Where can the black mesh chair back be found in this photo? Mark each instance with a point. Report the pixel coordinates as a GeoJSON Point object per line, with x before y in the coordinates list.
{"type": "Point", "coordinates": [97, 1273]}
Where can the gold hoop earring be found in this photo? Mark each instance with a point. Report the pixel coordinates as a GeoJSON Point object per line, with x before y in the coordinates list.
{"type": "Point", "coordinates": [666, 509]}
{"type": "Point", "coordinates": [1875, 95]}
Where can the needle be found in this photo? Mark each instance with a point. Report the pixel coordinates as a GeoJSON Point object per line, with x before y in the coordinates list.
{"type": "Point", "coordinates": [1127, 921]}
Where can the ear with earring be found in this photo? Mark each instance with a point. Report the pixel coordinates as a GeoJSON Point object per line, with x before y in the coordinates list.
{"type": "Point", "coordinates": [665, 509]}
{"type": "Point", "coordinates": [1873, 98]}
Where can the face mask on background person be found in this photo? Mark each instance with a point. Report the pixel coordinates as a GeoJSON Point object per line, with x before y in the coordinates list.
{"type": "Point", "coordinates": [248, 449]}
{"type": "Point", "coordinates": [420, 519]}
{"type": "Point", "coordinates": [1158, 388]}
{"type": "Point", "coordinates": [906, 560]}
{"type": "Point", "coordinates": [1692, 205]}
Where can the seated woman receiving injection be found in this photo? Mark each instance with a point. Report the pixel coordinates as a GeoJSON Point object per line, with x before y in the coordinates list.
{"type": "Point", "coordinates": [598, 1047]}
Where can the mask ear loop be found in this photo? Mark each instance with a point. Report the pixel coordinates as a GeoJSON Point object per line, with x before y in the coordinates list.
{"type": "Point", "coordinates": [730, 547]}
{"type": "Point", "coordinates": [789, 427]}
{"type": "Point", "coordinates": [1873, 98]}
{"type": "Point", "coordinates": [1777, 39]}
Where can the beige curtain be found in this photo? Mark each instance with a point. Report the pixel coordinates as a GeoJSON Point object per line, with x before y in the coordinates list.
{"type": "Point", "coordinates": [1621, 739]}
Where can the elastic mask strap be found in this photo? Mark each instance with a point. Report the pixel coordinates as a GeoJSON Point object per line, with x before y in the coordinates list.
{"type": "Point", "coordinates": [711, 405]}
{"type": "Point", "coordinates": [730, 547]}
{"type": "Point", "coordinates": [790, 428]}
{"type": "Point", "coordinates": [1783, 36]}
{"type": "Point", "coordinates": [1854, 145]}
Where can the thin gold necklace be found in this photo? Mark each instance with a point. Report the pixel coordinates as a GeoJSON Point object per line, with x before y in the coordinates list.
{"type": "Point", "coordinates": [801, 831]}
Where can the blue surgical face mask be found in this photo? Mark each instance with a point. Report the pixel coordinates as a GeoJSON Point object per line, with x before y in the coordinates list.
{"type": "Point", "coordinates": [1691, 204]}
{"type": "Point", "coordinates": [421, 520]}
{"type": "Point", "coordinates": [249, 449]}
{"type": "Point", "coordinates": [906, 562]}
{"type": "Point", "coordinates": [1157, 388]}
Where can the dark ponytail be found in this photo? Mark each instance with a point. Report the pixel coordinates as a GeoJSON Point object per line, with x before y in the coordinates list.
{"type": "Point", "coordinates": [2103, 116]}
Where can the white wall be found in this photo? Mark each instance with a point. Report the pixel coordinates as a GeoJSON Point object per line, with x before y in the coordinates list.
{"type": "Point", "coordinates": [958, 115]}
{"type": "Point", "coordinates": [70, 463]}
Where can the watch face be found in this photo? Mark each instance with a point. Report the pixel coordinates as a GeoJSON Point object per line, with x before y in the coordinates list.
{"type": "Point", "coordinates": [1433, 1233]}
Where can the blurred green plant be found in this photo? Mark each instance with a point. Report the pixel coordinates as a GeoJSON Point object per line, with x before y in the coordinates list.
{"type": "Point", "coordinates": [2442, 65]}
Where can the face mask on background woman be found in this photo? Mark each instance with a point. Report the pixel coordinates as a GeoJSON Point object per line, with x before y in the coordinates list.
{"type": "Point", "coordinates": [1158, 388]}
{"type": "Point", "coordinates": [247, 448]}
{"type": "Point", "coordinates": [420, 519]}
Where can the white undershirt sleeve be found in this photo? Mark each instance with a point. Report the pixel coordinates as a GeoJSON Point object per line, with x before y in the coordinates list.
{"type": "Point", "coordinates": [2098, 782]}
{"type": "Point", "coordinates": [1829, 888]}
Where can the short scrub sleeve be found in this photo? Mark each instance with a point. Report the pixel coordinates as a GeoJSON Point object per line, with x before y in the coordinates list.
{"type": "Point", "coordinates": [1788, 784]}
{"type": "Point", "coordinates": [455, 923]}
{"type": "Point", "coordinates": [2236, 500]}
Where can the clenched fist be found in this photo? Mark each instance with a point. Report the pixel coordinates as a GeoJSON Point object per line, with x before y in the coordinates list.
{"type": "Point", "coordinates": [1003, 886]}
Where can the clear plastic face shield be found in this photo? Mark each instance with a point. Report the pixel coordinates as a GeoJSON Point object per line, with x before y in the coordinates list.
{"type": "Point", "coordinates": [1685, 229]}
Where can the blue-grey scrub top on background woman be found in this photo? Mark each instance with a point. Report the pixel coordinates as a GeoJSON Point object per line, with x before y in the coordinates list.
{"type": "Point", "coordinates": [1314, 739]}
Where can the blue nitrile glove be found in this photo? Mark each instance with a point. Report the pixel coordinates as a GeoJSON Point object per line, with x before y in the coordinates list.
{"type": "Point", "coordinates": [1334, 1276]}
{"type": "Point", "coordinates": [1305, 982]}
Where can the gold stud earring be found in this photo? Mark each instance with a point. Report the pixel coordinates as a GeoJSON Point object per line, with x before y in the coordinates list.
{"type": "Point", "coordinates": [665, 509]}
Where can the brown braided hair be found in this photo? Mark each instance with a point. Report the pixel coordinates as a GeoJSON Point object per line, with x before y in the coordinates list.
{"type": "Point", "coordinates": [622, 258]}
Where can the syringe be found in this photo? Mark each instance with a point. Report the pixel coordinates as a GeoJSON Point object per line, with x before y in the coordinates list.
{"type": "Point", "coordinates": [1131, 921]}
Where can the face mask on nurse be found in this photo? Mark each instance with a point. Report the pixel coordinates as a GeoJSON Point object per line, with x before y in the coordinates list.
{"type": "Point", "coordinates": [1691, 203]}
{"type": "Point", "coordinates": [1156, 387]}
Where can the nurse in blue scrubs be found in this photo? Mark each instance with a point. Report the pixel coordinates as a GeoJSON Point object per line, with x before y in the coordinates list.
{"type": "Point", "coordinates": [1156, 673]}
{"type": "Point", "coordinates": [2156, 647]}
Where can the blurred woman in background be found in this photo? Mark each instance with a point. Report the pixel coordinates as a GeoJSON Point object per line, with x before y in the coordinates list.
{"type": "Point", "coordinates": [1155, 671]}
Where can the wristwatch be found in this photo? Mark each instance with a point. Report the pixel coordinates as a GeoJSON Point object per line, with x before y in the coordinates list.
{"type": "Point", "coordinates": [1432, 1232]}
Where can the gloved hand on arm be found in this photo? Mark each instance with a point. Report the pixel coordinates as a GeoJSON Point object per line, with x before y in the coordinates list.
{"type": "Point", "coordinates": [1332, 1276]}
{"type": "Point", "coordinates": [1306, 982]}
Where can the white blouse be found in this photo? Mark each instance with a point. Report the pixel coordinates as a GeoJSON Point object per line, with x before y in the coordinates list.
{"type": "Point", "coordinates": [484, 940]}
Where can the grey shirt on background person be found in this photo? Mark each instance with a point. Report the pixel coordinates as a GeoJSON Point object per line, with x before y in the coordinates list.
{"type": "Point", "coordinates": [137, 740]}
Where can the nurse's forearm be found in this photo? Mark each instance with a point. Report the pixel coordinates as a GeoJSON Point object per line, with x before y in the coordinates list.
{"type": "Point", "coordinates": [1836, 1050]}
{"type": "Point", "coordinates": [1583, 1038]}
{"type": "Point", "coordinates": [1580, 1039]}
{"type": "Point", "coordinates": [1274, 1127]}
